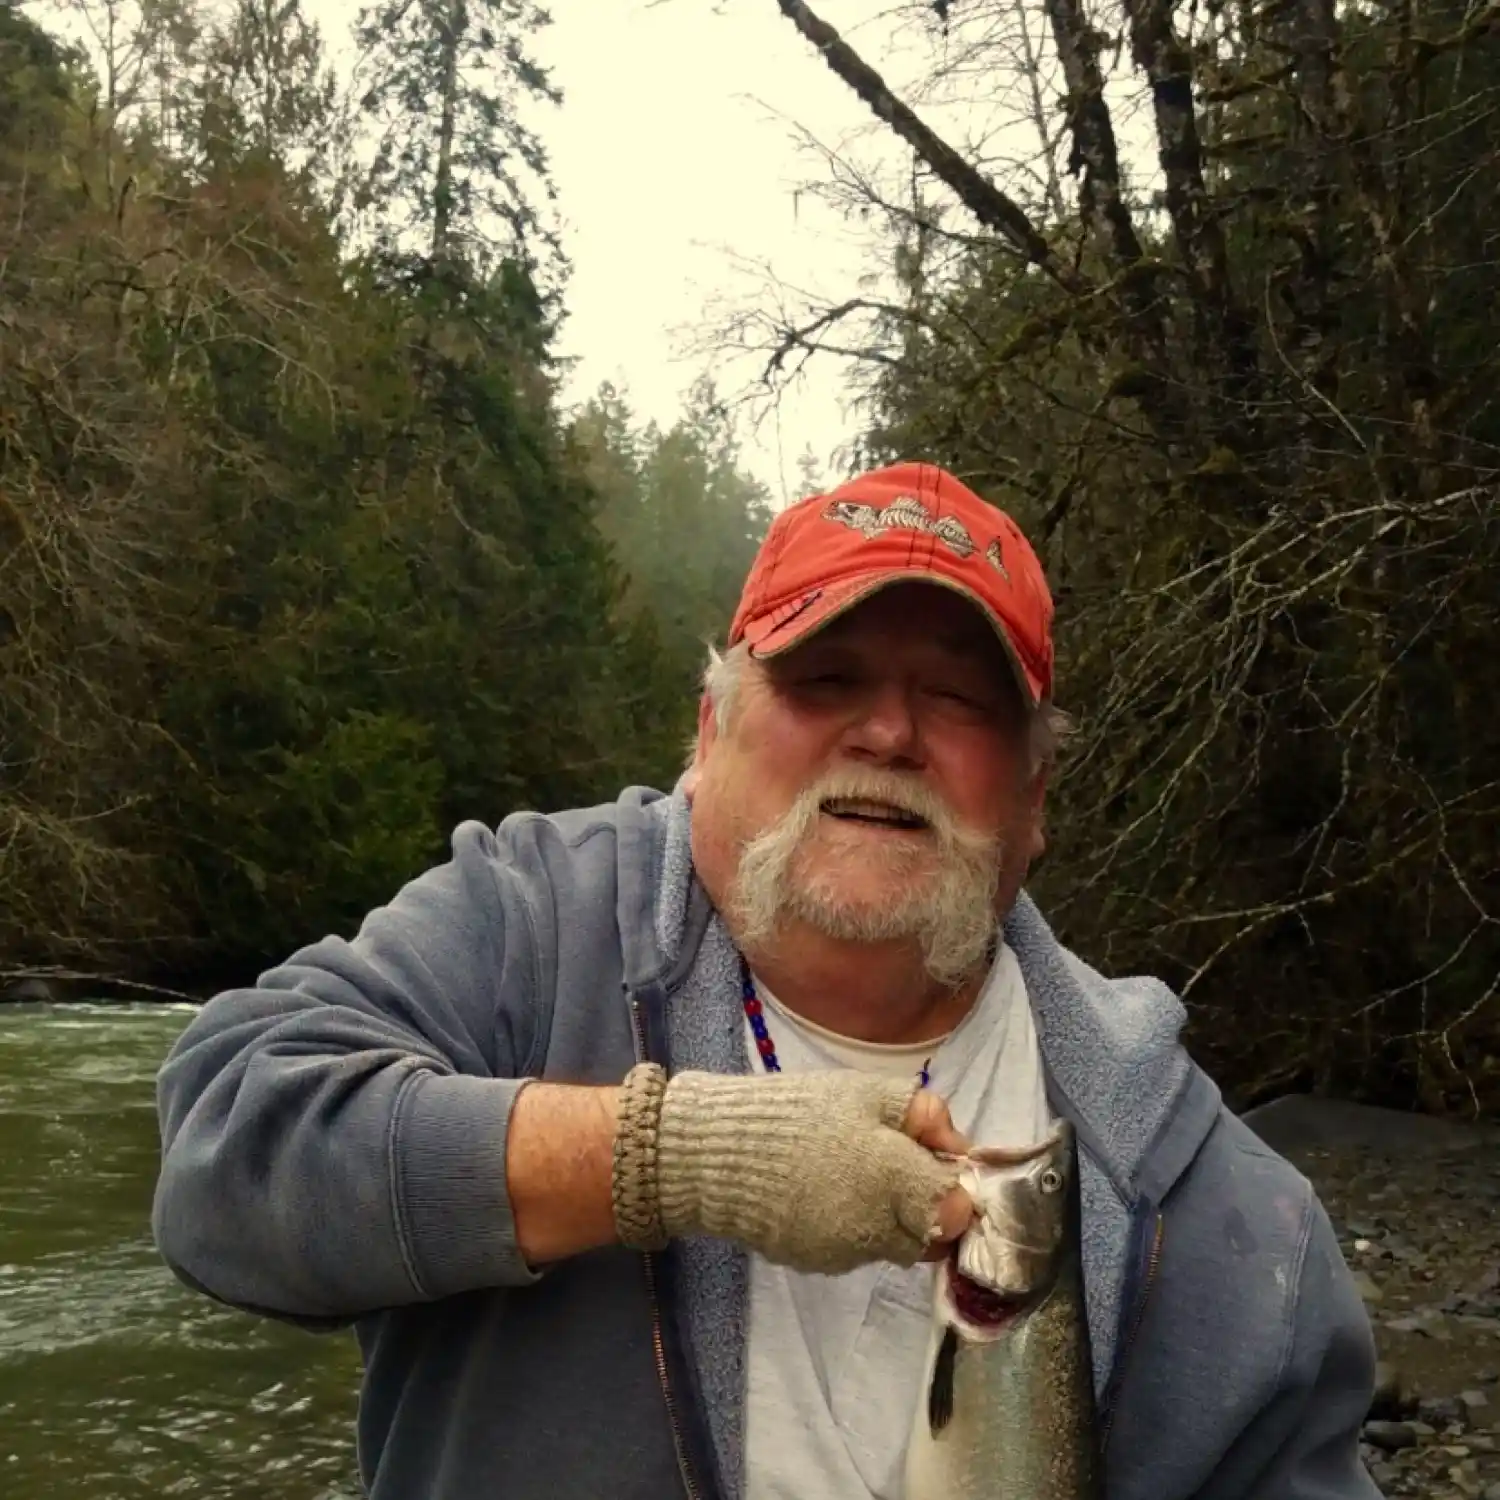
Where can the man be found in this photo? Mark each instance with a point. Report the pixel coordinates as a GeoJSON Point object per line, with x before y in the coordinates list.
{"type": "Point", "coordinates": [621, 1137]}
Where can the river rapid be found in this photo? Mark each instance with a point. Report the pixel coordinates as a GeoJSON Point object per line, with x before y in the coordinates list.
{"type": "Point", "coordinates": [116, 1382]}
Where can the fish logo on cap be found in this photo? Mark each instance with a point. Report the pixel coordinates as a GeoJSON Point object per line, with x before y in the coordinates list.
{"type": "Point", "coordinates": [907, 513]}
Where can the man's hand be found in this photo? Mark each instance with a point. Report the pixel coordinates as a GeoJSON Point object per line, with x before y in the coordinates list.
{"type": "Point", "coordinates": [929, 1124]}
{"type": "Point", "coordinates": [821, 1171]}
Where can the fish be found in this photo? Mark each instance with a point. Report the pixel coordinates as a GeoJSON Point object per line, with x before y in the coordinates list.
{"type": "Point", "coordinates": [1008, 1409]}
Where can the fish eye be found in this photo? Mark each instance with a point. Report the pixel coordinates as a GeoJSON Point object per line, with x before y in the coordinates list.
{"type": "Point", "coordinates": [1051, 1180]}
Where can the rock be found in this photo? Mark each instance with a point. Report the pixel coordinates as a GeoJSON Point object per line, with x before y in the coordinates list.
{"type": "Point", "coordinates": [1443, 1411]}
{"type": "Point", "coordinates": [1389, 1403]}
{"type": "Point", "coordinates": [1304, 1122]}
{"type": "Point", "coordinates": [1408, 1325]}
{"type": "Point", "coordinates": [1418, 1226]}
{"type": "Point", "coordinates": [30, 991]}
{"type": "Point", "coordinates": [1390, 1437]}
{"type": "Point", "coordinates": [1474, 1304]}
{"type": "Point", "coordinates": [1428, 1322]}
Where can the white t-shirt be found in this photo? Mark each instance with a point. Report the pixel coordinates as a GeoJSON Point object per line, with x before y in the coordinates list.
{"type": "Point", "coordinates": [835, 1363]}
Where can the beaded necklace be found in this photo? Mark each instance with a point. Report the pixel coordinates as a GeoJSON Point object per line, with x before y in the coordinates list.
{"type": "Point", "coordinates": [755, 1013]}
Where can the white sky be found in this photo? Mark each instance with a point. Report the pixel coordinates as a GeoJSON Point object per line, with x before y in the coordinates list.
{"type": "Point", "coordinates": [677, 152]}
{"type": "Point", "coordinates": [674, 154]}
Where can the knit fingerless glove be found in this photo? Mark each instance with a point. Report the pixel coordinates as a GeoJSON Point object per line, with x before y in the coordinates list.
{"type": "Point", "coordinates": [811, 1171]}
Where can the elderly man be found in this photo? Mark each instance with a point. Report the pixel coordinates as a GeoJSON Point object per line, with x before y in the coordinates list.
{"type": "Point", "coordinates": [621, 1137]}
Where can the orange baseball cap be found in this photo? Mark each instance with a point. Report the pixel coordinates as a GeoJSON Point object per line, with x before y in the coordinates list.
{"type": "Point", "coordinates": [911, 521]}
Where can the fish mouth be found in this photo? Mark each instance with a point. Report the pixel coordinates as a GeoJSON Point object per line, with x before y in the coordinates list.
{"type": "Point", "coordinates": [981, 1312]}
{"type": "Point", "coordinates": [874, 813]}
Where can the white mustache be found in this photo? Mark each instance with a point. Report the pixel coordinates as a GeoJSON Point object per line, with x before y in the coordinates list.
{"type": "Point", "coordinates": [903, 792]}
{"type": "Point", "coordinates": [950, 911]}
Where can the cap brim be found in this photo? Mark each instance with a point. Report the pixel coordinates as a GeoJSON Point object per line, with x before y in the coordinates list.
{"type": "Point", "coordinates": [769, 637]}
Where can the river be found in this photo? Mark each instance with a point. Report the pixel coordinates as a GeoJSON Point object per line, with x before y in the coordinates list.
{"type": "Point", "coordinates": [117, 1383]}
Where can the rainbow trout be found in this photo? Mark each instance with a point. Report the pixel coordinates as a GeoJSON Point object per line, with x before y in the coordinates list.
{"type": "Point", "coordinates": [1008, 1407]}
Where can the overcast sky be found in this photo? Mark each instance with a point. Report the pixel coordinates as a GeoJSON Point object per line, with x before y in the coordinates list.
{"type": "Point", "coordinates": [678, 139]}
{"type": "Point", "coordinates": [674, 154]}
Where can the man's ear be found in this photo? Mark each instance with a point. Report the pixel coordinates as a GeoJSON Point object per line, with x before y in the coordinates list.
{"type": "Point", "coordinates": [1039, 788]}
{"type": "Point", "coordinates": [708, 732]}
{"type": "Point", "coordinates": [1037, 799]}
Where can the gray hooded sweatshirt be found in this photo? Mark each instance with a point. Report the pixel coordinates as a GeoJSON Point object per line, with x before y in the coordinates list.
{"type": "Point", "coordinates": [334, 1154]}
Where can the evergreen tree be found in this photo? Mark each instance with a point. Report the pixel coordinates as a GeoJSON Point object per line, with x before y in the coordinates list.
{"type": "Point", "coordinates": [458, 166]}
{"type": "Point", "coordinates": [265, 87]}
{"type": "Point", "coordinates": [682, 515]}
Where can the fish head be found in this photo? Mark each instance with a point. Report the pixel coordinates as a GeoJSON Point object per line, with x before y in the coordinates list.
{"type": "Point", "coordinates": [1008, 1261]}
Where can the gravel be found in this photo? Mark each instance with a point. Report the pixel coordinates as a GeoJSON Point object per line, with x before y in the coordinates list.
{"type": "Point", "coordinates": [1419, 1222]}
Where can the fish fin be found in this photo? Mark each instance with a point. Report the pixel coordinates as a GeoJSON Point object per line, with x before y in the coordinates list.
{"type": "Point", "coordinates": [940, 1396]}
{"type": "Point", "coordinates": [1011, 1156]}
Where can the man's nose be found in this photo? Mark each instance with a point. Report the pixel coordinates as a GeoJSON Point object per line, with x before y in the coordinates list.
{"type": "Point", "coordinates": [886, 728]}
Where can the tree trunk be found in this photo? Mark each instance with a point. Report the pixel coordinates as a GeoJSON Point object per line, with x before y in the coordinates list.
{"type": "Point", "coordinates": [442, 189]}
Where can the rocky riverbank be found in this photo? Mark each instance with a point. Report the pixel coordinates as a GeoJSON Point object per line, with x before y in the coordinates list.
{"type": "Point", "coordinates": [1417, 1206]}
{"type": "Point", "coordinates": [67, 987]}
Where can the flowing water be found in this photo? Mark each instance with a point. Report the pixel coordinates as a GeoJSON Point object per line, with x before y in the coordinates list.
{"type": "Point", "coordinates": [117, 1383]}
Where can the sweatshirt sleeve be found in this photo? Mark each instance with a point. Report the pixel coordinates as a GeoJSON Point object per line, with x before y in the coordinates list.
{"type": "Point", "coordinates": [333, 1140]}
{"type": "Point", "coordinates": [1307, 1438]}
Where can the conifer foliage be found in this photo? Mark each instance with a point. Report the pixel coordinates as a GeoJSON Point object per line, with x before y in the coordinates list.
{"type": "Point", "coordinates": [301, 563]}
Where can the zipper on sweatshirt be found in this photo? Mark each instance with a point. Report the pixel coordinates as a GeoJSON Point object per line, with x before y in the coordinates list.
{"type": "Point", "coordinates": [658, 1339]}
{"type": "Point", "coordinates": [658, 1346]}
{"type": "Point", "coordinates": [1122, 1356]}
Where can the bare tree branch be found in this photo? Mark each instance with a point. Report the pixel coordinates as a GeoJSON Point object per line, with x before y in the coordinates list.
{"type": "Point", "coordinates": [993, 208]}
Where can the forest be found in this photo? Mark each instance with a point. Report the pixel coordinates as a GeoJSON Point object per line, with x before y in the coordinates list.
{"type": "Point", "coordinates": [300, 563]}
{"type": "Point", "coordinates": [302, 560]}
